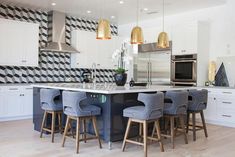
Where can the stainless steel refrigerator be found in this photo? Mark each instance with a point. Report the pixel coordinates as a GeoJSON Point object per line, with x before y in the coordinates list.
{"type": "Point", "coordinates": [153, 67]}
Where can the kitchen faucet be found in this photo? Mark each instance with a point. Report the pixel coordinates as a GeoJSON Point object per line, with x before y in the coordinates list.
{"type": "Point", "coordinates": [93, 75]}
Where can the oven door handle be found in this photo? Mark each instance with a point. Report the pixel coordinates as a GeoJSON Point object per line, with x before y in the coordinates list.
{"type": "Point", "coordinates": [184, 61]}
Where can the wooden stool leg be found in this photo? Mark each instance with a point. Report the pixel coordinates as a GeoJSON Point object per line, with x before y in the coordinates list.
{"type": "Point", "coordinates": [59, 121]}
{"type": "Point", "coordinates": [157, 126]}
{"type": "Point", "coordinates": [53, 126]}
{"type": "Point", "coordinates": [96, 130]}
{"type": "Point", "coordinates": [172, 121]}
{"type": "Point", "coordinates": [66, 130]}
{"type": "Point", "coordinates": [188, 118]}
{"type": "Point", "coordinates": [43, 121]}
{"type": "Point", "coordinates": [154, 129]}
{"type": "Point", "coordinates": [183, 129]}
{"type": "Point", "coordinates": [145, 138]}
{"type": "Point", "coordinates": [77, 135]}
{"type": "Point", "coordinates": [194, 126]}
{"type": "Point", "coordinates": [84, 130]}
{"type": "Point", "coordinates": [126, 134]}
{"type": "Point", "coordinates": [71, 129]}
{"type": "Point", "coordinates": [140, 129]}
{"type": "Point", "coordinates": [166, 124]}
{"type": "Point", "coordinates": [204, 123]}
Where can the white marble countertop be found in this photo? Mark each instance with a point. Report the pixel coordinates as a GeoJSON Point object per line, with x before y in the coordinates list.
{"type": "Point", "coordinates": [107, 88]}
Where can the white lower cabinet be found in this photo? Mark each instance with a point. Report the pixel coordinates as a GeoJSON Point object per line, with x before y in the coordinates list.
{"type": "Point", "coordinates": [221, 107]}
{"type": "Point", "coordinates": [210, 112]}
{"type": "Point", "coordinates": [16, 102]}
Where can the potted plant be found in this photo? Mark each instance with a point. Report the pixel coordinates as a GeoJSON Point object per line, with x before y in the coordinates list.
{"type": "Point", "coordinates": [120, 76]}
{"type": "Point", "coordinates": [122, 58]}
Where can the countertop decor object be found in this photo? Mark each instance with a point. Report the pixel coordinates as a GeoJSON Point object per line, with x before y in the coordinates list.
{"type": "Point", "coordinates": [123, 59]}
{"type": "Point", "coordinates": [221, 77]}
{"type": "Point", "coordinates": [163, 40]}
{"type": "Point", "coordinates": [120, 77]}
{"type": "Point", "coordinates": [211, 72]}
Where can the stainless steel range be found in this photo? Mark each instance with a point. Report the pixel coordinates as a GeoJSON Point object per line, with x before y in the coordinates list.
{"type": "Point", "coordinates": [184, 70]}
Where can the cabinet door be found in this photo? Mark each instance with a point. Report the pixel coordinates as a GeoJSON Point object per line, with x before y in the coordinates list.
{"type": "Point", "coordinates": [3, 105]}
{"type": "Point", "coordinates": [79, 42]}
{"type": "Point", "coordinates": [211, 110]}
{"type": "Point", "coordinates": [105, 50]}
{"type": "Point", "coordinates": [184, 38]}
{"type": "Point", "coordinates": [27, 101]}
{"type": "Point", "coordinates": [30, 57]}
{"type": "Point", "coordinates": [84, 42]}
{"type": "Point", "coordinates": [18, 43]}
{"type": "Point", "coordinates": [13, 102]}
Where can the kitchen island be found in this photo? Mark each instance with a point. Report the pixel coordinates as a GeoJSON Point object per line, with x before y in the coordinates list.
{"type": "Point", "coordinates": [109, 97]}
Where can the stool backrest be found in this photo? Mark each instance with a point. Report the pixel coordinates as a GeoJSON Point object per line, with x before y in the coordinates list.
{"type": "Point", "coordinates": [179, 101]}
{"type": "Point", "coordinates": [153, 104]}
{"type": "Point", "coordinates": [72, 101]}
{"type": "Point", "coordinates": [199, 99]}
{"type": "Point", "coordinates": [47, 97]}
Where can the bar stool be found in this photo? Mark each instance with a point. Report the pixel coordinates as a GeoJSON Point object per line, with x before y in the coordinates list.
{"type": "Point", "coordinates": [197, 103]}
{"type": "Point", "coordinates": [52, 106]}
{"type": "Point", "coordinates": [143, 115]}
{"type": "Point", "coordinates": [76, 108]}
{"type": "Point", "coordinates": [175, 108]}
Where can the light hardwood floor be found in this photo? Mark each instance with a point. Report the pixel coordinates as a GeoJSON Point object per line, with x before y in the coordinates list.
{"type": "Point", "coordinates": [18, 139]}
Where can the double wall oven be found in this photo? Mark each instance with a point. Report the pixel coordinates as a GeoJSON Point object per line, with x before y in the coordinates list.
{"type": "Point", "coordinates": [184, 70]}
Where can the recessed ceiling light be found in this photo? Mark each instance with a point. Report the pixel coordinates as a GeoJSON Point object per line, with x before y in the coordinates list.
{"type": "Point", "coordinates": [112, 17]}
{"type": "Point", "coordinates": [88, 11]}
{"type": "Point", "coordinates": [53, 4]}
{"type": "Point", "coordinates": [121, 2]}
{"type": "Point", "coordinates": [145, 9]}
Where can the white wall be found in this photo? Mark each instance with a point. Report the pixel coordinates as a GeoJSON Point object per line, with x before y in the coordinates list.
{"type": "Point", "coordinates": [221, 33]}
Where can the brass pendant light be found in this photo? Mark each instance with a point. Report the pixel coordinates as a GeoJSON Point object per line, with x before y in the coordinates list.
{"type": "Point", "coordinates": [137, 33]}
{"type": "Point", "coordinates": [103, 31]}
{"type": "Point", "coordinates": [163, 41]}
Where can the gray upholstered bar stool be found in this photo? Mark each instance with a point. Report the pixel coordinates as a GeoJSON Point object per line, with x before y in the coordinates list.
{"type": "Point", "coordinates": [76, 108]}
{"type": "Point", "coordinates": [175, 107]}
{"type": "Point", "coordinates": [52, 106]}
{"type": "Point", "coordinates": [197, 103]}
{"type": "Point", "coordinates": [151, 112]}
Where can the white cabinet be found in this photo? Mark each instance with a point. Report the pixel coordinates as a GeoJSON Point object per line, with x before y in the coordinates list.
{"type": "Point", "coordinates": [184, 38]}
{"type": "Point", "coordinates": [221, 107]}
{"type": "Point", "coordinates": [93, 50]}
{"type": "Point", "coordinates": [16, 102]}
{"type": "Point", "coordinates": [19, 43]}
{"type": "Point", "coordinates": [210, 112]}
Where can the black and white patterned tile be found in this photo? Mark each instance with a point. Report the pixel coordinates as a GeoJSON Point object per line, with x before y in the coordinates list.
{"type": "Point", "coordinates": [53, 67]}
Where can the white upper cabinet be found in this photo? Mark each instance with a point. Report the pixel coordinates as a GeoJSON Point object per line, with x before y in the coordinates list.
{"type": "Point", "coordinates": [19, 43]}
{"type": "Point", "coordinates": [184, 38]}
{"type": "Point", "coordinates": [93, 50]}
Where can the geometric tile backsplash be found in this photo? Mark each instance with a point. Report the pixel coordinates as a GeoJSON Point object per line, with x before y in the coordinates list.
{"type": "Point", "coordinates": [53, 67]}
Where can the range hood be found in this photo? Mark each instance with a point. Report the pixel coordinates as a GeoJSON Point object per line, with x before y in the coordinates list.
{"type": "Point", "coordinates": [152, 47]}
{"type": "Point", "coordinates": [57, 32]}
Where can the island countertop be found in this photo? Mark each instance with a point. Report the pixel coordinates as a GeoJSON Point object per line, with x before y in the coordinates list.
{"type": "Point", "coordinates": [107, 88]}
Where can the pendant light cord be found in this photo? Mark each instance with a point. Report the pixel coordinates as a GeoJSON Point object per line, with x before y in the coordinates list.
{"type": "Point", "coordinates": [137, 12]}
{"type": "Point", "coordinates": [163, 12]}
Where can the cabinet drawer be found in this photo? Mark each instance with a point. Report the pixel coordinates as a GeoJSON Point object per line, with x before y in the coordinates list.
{"type": "Point", "coordinates": [226, 115]}
{"type": "Point", "coordinates": [226, 104]}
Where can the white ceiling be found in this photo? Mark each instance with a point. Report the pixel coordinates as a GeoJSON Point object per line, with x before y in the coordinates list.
{"type": "Point", "coordinates": [124, 13]}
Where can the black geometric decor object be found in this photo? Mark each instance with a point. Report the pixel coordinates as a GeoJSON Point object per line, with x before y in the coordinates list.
{"type": "Point", "coordinates": [221, 77]}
